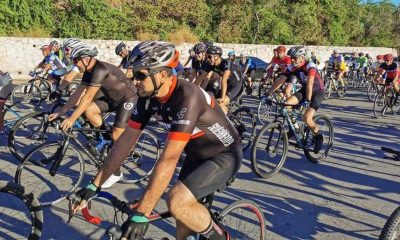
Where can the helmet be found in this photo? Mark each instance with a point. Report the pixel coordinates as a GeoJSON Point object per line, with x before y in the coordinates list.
{"type": "Point", "coordinates": [231, 54]}
{"type": "Point", "coordinates": [54, 43]}
{"type": "Point", "coordinates": [153, 54]}
{"type": "Point", "coordinates": [208, 44]}
{"type": "Point", "coordinates": [281, 49]}
{"type": "Point", "coordinates": [45, 47]}
{"type": "Point", "coordinates": [119, 48]}
{"type": "Point", "coordinates": [361, 54]}
{"type": "Point", "coordinates": [242, 55]}
{"type": "Point", "coordinates": [214, 50]}
{"type": "Point", "coordinates": [71, 42]}
{"type": "Point", "coordinates": [297, 51]}
{"type": "Point", "coordinates": [191, 51]}
{"type": "Point", "coordinates": [335, 51]}
{"type": "Point", "coordinates": [388, 57]}
{"type": "Point", "coordinates": [83, 50]}
{"type": "Point", "coordinates": [379, 57]}
{"type": "Point", "coordinates": [200, 47]}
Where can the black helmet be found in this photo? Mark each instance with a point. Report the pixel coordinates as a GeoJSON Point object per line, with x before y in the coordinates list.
{"type": "Point", "coordinates": [208, 44]}
{"type": "Point", "coordinates": [361, 54]}
{"type": "Point", "coordinates": [119, 48]}
{"type": "Point", "coordinates": [200, 47]}
{"type": "Point", "coordinates": [214, 50]}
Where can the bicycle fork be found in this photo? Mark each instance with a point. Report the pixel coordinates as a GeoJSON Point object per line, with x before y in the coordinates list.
{"type": "Point", "coordinates": [58, 156]}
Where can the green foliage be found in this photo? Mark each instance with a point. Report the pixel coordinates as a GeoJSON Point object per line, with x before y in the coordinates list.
{"type": "Point", "coordinates": [316, 22]}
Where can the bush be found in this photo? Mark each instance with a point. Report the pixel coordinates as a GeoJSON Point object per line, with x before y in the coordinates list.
{"type": "Point", "coordinates": [146, 36]}
{"type": "Point", "coordinates": [35, 32]}
{"type": "Point", "coordinates": [182, 35]}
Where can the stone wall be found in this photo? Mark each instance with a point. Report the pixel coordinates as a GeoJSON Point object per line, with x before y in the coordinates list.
{"type": "Point", "coordinates": [20, 55]}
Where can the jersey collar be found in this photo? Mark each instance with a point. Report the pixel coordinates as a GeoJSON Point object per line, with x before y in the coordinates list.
{"type": "Point", "coordinates": [170, 91]}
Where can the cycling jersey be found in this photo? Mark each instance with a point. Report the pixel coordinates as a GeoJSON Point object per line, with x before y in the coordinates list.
{"type": "Point", "coordinates": [391, 71]}
{"type": "Point", "coordinates": [191, 115]}
{"type": "Point", "coordinates": [200, 66]}
{"type": "Point", "coordinates": [111, 80]}
{"type": "Point", "coordinates": [283, 63]}
{"type": "Point", "coordinates": [309, 69]}
{"type": "Point", "coordinates": [248, 62]}
{"type": "Point", "coordinates": [55, 62]}
{"type": "Point", "coordinates": [124, 62]}
{"type": "Point", "coordinates": [362, 62]}
{"type": "Point", "coordinates": [338, 62]}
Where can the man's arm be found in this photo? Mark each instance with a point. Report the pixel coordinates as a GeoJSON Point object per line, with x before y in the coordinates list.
{"type": "Point", "coordinates": [67, 79]}
{"type": "Point", "coordinates": [309, 90]}
{"type": "Point", "coordinates": [224, 83]}
{"type": "Point", "coordinates": [73, 99]}
{"type": "Point", "coordinates": [276, 85]}
{"type": "Point", "coordinates": [161, 176]}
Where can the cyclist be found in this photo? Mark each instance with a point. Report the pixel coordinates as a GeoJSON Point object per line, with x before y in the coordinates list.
{"type": "Point", "coordinates": [232, 56]}
{"type": "Point", "coordinates": [6, 87]}
{"type": "Point", "coordinates": [281, 61]}
{"type": "Point", "coordinates": [119, 95]}
{"type": "Point", "coordinates": [311, 93]}
{"type": "Point", "coordinates": [122, 50]}
{"type": "Point", "coordinates": [199, 65]}
{"type": "Point", "coordinates": [225, 78]}
{"type": "Point", "coordinates": [376, 65]}
{"type": "Point", "coordinates": [362, 62]}
{"type": "Point", "coordinates": [191, 57]}
{"type": "Point", "coordinates": [53, 65]}
{"type": "Point", "coordinates": [59, 52]}
{"type": "Point", "coordinates": [390, 68]}
{"type": "Point", "coordinates": [248, 71]}
{"type": "Point", "coordinates": [197, 125]}
{"type": "Point", "coordinates": [339, 65]}
{"type": "Point", "coordinates": [73, 71]}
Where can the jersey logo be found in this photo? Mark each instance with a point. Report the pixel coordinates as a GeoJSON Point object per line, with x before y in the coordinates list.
{"type": "Point", "coordinates": [181, 113]}
{"type": "Point", "coordinates": [135, 111]}
{"type": "Point", "coordinates": [128, 106]}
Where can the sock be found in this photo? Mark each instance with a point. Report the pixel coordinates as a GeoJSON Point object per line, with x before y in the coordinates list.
{"type": "Point", "coordinates": [214, 232]}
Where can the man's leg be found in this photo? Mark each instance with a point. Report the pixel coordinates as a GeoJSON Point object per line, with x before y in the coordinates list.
{"type": "Point", "coordinates": [340, 77]}
{"type": "Point", "coordinates": [93, 115]}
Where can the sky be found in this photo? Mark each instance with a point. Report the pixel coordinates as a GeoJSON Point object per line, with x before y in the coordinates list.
{"type": "Point", "coordinates": [397, 2]}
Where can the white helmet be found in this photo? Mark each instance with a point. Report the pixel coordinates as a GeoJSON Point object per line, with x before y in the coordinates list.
{"type": "Point", "coordinates": [83, 50]}
{"type": "Point", "coordinates": [297, 51]}
{"type": "Point", "coordinates": [71, 43]}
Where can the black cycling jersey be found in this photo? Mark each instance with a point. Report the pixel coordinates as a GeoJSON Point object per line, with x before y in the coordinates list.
{"type": "Point", "coordinates": [200, 66]}
{"type": "Point", "coordinates": [191, 115]}
{"type": "Point", "coordinates": [112, 82]}
{"type": "Point", "coordinates": [124, 62]}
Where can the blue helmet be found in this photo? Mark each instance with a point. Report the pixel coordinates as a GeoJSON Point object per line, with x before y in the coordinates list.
{"type": "Point", "coordinates": [231, 54]}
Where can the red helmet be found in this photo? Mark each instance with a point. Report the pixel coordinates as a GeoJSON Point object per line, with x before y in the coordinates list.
{"type": "Point", "coordinates": [281, 49]}
{"type": "Point", "coordinates": [379, 57]}
{"type": "Point", "coordinates": [388, 57]}
{"type": "Point", "coordinates": [275, 50]}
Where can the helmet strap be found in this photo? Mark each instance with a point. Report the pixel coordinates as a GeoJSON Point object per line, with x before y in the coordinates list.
{"type": "Point", "coordinates": [153, 79]}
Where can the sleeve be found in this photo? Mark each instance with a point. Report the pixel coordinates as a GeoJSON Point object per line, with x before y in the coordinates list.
{"type": "Point", "coordinates": [98, 77]}
{"type": "Point", "coordinates": [312, 72]}
{"type": "Point", "coordinates": [140, 115]}
{"type": "Point", "coordinates": [184, 118]}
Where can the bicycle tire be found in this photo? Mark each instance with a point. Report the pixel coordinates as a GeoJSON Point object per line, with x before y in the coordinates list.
{"type": "Point", "coordinates": [266, 111]}
{"type": "Point", "coordinates": [10, 118]}
{"type": "Point", "coordinates": [31, 203]}
{"type": "Point", "coordinates": [235, 213]}
{"type": "Point", "coordinates": [391, 229]}
{"type": "Point", "coordinates": [322, 155]}
{"type": "Point", "coordinates": [257, 164]}
{"type": "Point", "coordinates": [33, 163]}
{"type": "Point", "coordinates": [341, 90]}
{"type": "Point", "coordinates": [26, 97]}
{"type": "Point", "coordinates": [246, 124]}
{"type": "Point", "coordinates": [328, 90]}
{"type": "Point", "coordinates": [371, 91]}
{"type": "Point", "coordinates": [29, 131]}
{"type": "Point", "coordinates": [379, 106]}
{"type": "Point", "coordinates": [142, 159]}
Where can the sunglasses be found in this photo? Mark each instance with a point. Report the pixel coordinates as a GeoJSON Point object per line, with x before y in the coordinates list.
{"type": "Point", "coordinates": [140, 76]}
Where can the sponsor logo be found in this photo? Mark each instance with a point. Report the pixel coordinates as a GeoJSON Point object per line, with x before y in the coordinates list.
{"type": "Point", "coordinates": [135, 111]}
{"type": "Point", "coordinates": [181, 122]}
{"type": "Point", "coordinates": [181, 113]}
{"type": "Point", "coordinates": [222, 134]}
{"type": "Point", "coordinates": [128, 106]}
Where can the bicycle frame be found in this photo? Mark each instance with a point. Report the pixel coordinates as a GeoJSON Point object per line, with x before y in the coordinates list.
{"type": "Point", "coordinates": [7, 123]}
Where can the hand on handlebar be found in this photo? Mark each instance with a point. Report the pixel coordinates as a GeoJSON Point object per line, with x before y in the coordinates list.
{"type": "Point", "coordinates": [135, 227]}
{"type": "Point", "coordinates": [80, 199]}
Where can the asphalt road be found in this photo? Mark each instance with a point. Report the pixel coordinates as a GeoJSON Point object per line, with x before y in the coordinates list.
{"type": "Point", "coordinates": [348, 196]}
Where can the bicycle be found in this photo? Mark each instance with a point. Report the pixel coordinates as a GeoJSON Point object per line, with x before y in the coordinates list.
{"type": "Point", "coordinates": [391, 229]}
{"type": "Point", "coordinates": [21, 215]}
{"type": "Point", "coordinates": [60, 167]}
{"type": "Point", "coordinates": [11, 116]}
{"type": "Point", "coordinates": [386, 99]}
{"type": "Point", "coordinates": [271, 144]}
{"type": "Point", "coordinates": [243, 219]}
{"type": "Point", "coordinates": [331, 84]}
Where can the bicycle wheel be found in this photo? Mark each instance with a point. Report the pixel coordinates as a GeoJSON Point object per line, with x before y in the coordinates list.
{"type": "Point", "coordinates": [243, 219]}
{"type": "Point", "coordinates": [326, 128]}
{"type": "Point", "coordinates": [10, 118]}
{"type": "Point", "coordinates": [141, 160]}
{"type": "Point", "coordinates": [371, 91]}
{"type": "Point", "coordinates": [21, 215]}
{"type": "Point", "coordinates": [379, 106]}
{"type": "Point", "coordinates": [26, 97]}
{"type": "Point", "coordinates": [29, 131]}
{"type": "Point", "coordinates": [246, 124]}
{"type": "Point", "coordinates": [391, 229]}
{"type": "Point", "coordinates": [266, 112]}
{"type": "Point", "coordinates": [328, 89]}
{"type": "Point", "coordinates": [34, 173]}
{"type": "Point", "coordinates": [269, 150]}
{"type": "Point", "coordinates": [341, 90]}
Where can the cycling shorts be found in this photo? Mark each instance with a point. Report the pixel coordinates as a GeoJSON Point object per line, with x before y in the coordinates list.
{"type": "Point", "coordinates": [203, 177]}
{"type": "Point", "coordinates": [234, 91]}
{"type": "Point", "coordinates": [316, 99]}
{"type": "Point", "coordinates": [123, 110]}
